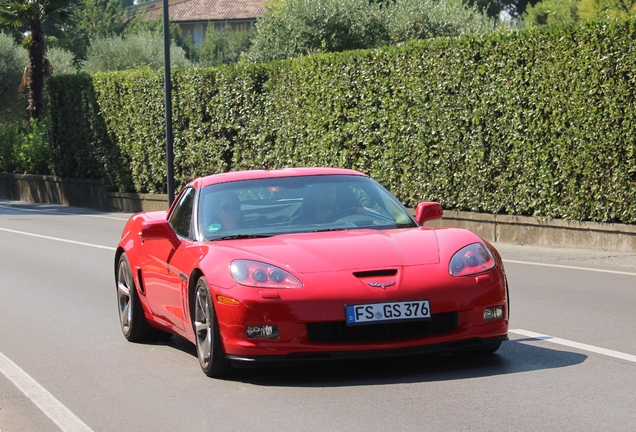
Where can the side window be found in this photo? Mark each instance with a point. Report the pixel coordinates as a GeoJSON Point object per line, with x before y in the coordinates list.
{"type": "Point", "coordinates": [181, 219]}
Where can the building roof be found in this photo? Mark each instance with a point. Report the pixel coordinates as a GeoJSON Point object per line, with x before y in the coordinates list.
{"type": "Point", "coordinates": [206, 10]}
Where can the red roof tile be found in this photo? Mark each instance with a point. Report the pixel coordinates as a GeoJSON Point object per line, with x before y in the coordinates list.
{"type": "Point", "coordinates": [209, 10]}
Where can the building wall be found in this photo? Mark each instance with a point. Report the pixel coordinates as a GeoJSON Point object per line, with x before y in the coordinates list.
{"type": "Point", "coordinates": [196, 31]}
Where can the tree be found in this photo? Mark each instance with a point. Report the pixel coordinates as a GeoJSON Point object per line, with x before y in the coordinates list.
{"type": "Point", "coordinates": [292, 28]}
{"type": "Point", "coordinates": [12, 62]}
{"type": "Point", "coordinates": [598, 9]}
{"type": "Point", "coordinates": [96, 18]}
{"type": "Point", "coordinates": [138, 50]}
{"type": "Point", "coordinates": [551, 12]}
{"type": "Point", "coordinates": [424, 19]}
{"type": "Point", "coordinates": [62, 61]}
{"type": "Point", "coordinates": [139, 24]}
{"type": "Point", "coordinates": [32, 15]}
{"type": "Point", "coordinates": [562, 11]}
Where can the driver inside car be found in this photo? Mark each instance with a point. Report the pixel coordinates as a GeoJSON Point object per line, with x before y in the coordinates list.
{"type": "Point", "coordinates": [323, 205]}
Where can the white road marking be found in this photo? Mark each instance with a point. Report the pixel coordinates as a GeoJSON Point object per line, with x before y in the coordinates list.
{"type": "Point", "coordinates": [58, 239]}
{"type": "Point", "coordinates": [45, 401]}
{"type": "Point", "coordinates": [99, 216]}
{"type": "Point", "coordinates": [571, 267]}
{"type": "Point", "coordinates": [577, 345]}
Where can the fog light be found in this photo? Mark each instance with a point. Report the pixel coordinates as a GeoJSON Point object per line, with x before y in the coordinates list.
{"type": "Point", "coordinates": [493, 313]}
{"type": "Point", "coordinates": [262, 332]}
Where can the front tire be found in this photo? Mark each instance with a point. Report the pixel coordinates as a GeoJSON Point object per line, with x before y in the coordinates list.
{"type": "Point", "coordinates": [132, 320]}
{"type": "Point", "coordinates": [206, 331]}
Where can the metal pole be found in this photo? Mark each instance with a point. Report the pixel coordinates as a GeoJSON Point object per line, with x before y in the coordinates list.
{"type": "Point", "coordinates": [168, 98]}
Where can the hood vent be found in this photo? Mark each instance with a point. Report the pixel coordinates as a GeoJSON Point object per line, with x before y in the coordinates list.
{"type": "Point", "coordinates": [375, 273]}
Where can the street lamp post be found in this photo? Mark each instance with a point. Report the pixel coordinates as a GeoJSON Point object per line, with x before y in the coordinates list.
{"type": "Point", "coordinates": [168, 99]}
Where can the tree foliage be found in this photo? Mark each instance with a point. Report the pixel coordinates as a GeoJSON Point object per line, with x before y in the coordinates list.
{"type": "Point", "coordinates": [13, 59]}
{"type": "Point", "coordinates": [410, 20]}
{"type": "Point", "coordinates": [552, 12]}
{"type": "Point", "coordinates": [139, 24]}
{"type": "Point", "coordinates": [293, 28]}
{"type": "Point", "coordinates": [563, 11]}
{"type": "Point", "coordinates": [598, 9]}
{"type": "Point", "coordinates": [137, 50]}
{"type": "Point", "coordinates": [95, 18]}
{"type": "Point", "coordinates": [61, 60]}
{"type": "Point", "coordinates": [32, 15]}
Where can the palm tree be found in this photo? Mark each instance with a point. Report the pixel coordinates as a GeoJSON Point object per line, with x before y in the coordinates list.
{"type": "Point", "coordinates": [30, 16]}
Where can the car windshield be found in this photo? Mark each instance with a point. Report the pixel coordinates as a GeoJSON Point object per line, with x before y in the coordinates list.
{"type": "Point", "coordinates": [268, 207]}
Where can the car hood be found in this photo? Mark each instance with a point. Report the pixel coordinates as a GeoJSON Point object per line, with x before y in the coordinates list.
{"type": "Point", "coordinates": [343, 250]}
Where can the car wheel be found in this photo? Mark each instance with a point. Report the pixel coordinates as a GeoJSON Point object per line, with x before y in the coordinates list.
{"type": "Point", "coordinates": [131, 314]}
{"type": "Point", "coordinates": [206, 331]}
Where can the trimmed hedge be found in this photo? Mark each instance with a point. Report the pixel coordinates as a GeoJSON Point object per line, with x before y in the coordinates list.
{"type": "Point", "coordinates": [540, 122]}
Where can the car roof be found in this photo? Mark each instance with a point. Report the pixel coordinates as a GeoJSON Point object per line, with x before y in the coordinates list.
{"type": "Point", "coordinates": [270, 174]}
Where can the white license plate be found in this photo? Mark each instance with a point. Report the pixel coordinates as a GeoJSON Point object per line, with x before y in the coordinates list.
{"type": "Point", "coordinates": [393, 311]}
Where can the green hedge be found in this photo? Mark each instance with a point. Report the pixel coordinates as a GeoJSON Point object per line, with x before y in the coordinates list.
{"type": "Point", "coordinates": [81, 144]}
{"type": "Point", "coordinates": [538, 122]}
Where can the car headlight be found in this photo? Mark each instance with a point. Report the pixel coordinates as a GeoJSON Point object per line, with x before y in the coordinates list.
{"type": "Point", "coordinates": [260, 275]}
{"type": "Point", "coordinates": [474, 258]}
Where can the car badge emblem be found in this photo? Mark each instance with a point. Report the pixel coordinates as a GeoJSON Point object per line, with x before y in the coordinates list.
{"type": "Point", "coordinates": [382, 285]}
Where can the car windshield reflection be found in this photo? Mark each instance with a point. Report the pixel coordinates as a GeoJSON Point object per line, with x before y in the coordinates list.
{"type": "Point", "coordinates": [268, 207]}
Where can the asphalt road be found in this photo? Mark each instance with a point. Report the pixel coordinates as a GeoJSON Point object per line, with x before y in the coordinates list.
{"type": "Point", "coordinates": [64, 365]}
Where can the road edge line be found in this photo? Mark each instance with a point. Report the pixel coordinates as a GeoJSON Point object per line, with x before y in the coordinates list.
{"type": "Point", "coordinates": [577, 345]}
{"type": "Point", "coordinates": [570, 267]}
{"type": "Point", "coordinates": [45, 401]}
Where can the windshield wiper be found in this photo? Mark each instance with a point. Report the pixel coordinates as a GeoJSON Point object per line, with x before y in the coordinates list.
{"type": "Point", "coordinates": [242, 236]}
{"type": "Point", "coordinates": [329, 229]}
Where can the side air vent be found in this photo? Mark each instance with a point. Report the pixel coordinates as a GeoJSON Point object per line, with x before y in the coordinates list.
{"type": "Point", "coordinates": [142, 287]}
{"type": "Point", "coordinates": [375, 273]}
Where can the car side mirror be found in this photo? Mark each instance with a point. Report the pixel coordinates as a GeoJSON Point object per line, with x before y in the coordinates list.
{"type": "Point", "coordinates": [159, 229]}
{"type": "Point", "coordinates": [428, 211]}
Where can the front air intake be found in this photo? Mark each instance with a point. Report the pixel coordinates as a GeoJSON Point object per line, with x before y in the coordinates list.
{"type": "Point", "coordinates": [340, 332]}
{"type": "Point", "coordinates": [375, 273]}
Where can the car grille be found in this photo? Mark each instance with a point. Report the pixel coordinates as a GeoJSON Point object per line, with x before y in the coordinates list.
{"type": "Point", "coordinates": [340, 332]}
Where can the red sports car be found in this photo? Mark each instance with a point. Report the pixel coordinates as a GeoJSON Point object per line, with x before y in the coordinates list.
{"type": "Point", "coordinates": [306, 264]}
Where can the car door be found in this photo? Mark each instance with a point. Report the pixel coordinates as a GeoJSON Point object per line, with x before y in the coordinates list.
{"type": "Point", "coordinates": [164, 269]}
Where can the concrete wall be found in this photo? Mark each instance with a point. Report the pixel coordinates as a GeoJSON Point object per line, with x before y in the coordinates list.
{"type": "Point", "coordinates": [558, 233]}
{"type": "Point", "coordinates": [497, 228]}
{"type": "Point", "coordinates": [75, 192]}
{"type": "Point", "coordinates": [54, 190]}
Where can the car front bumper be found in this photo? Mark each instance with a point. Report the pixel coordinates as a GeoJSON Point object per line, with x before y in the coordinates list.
{"type": "Point", "coordinates": [459, 346]}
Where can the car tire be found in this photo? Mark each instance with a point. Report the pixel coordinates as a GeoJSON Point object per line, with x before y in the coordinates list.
{"type": "Point", "coordinates": [206, 333]}
{"type": "Point", "coordinates": [132, 319]}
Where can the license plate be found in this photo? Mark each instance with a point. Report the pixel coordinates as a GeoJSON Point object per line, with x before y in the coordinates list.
{"type": "Point", "coordinates": [393, 311]}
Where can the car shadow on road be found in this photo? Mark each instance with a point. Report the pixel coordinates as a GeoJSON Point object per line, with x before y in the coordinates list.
{"type": "Point", "coordinates": [514, 356]}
